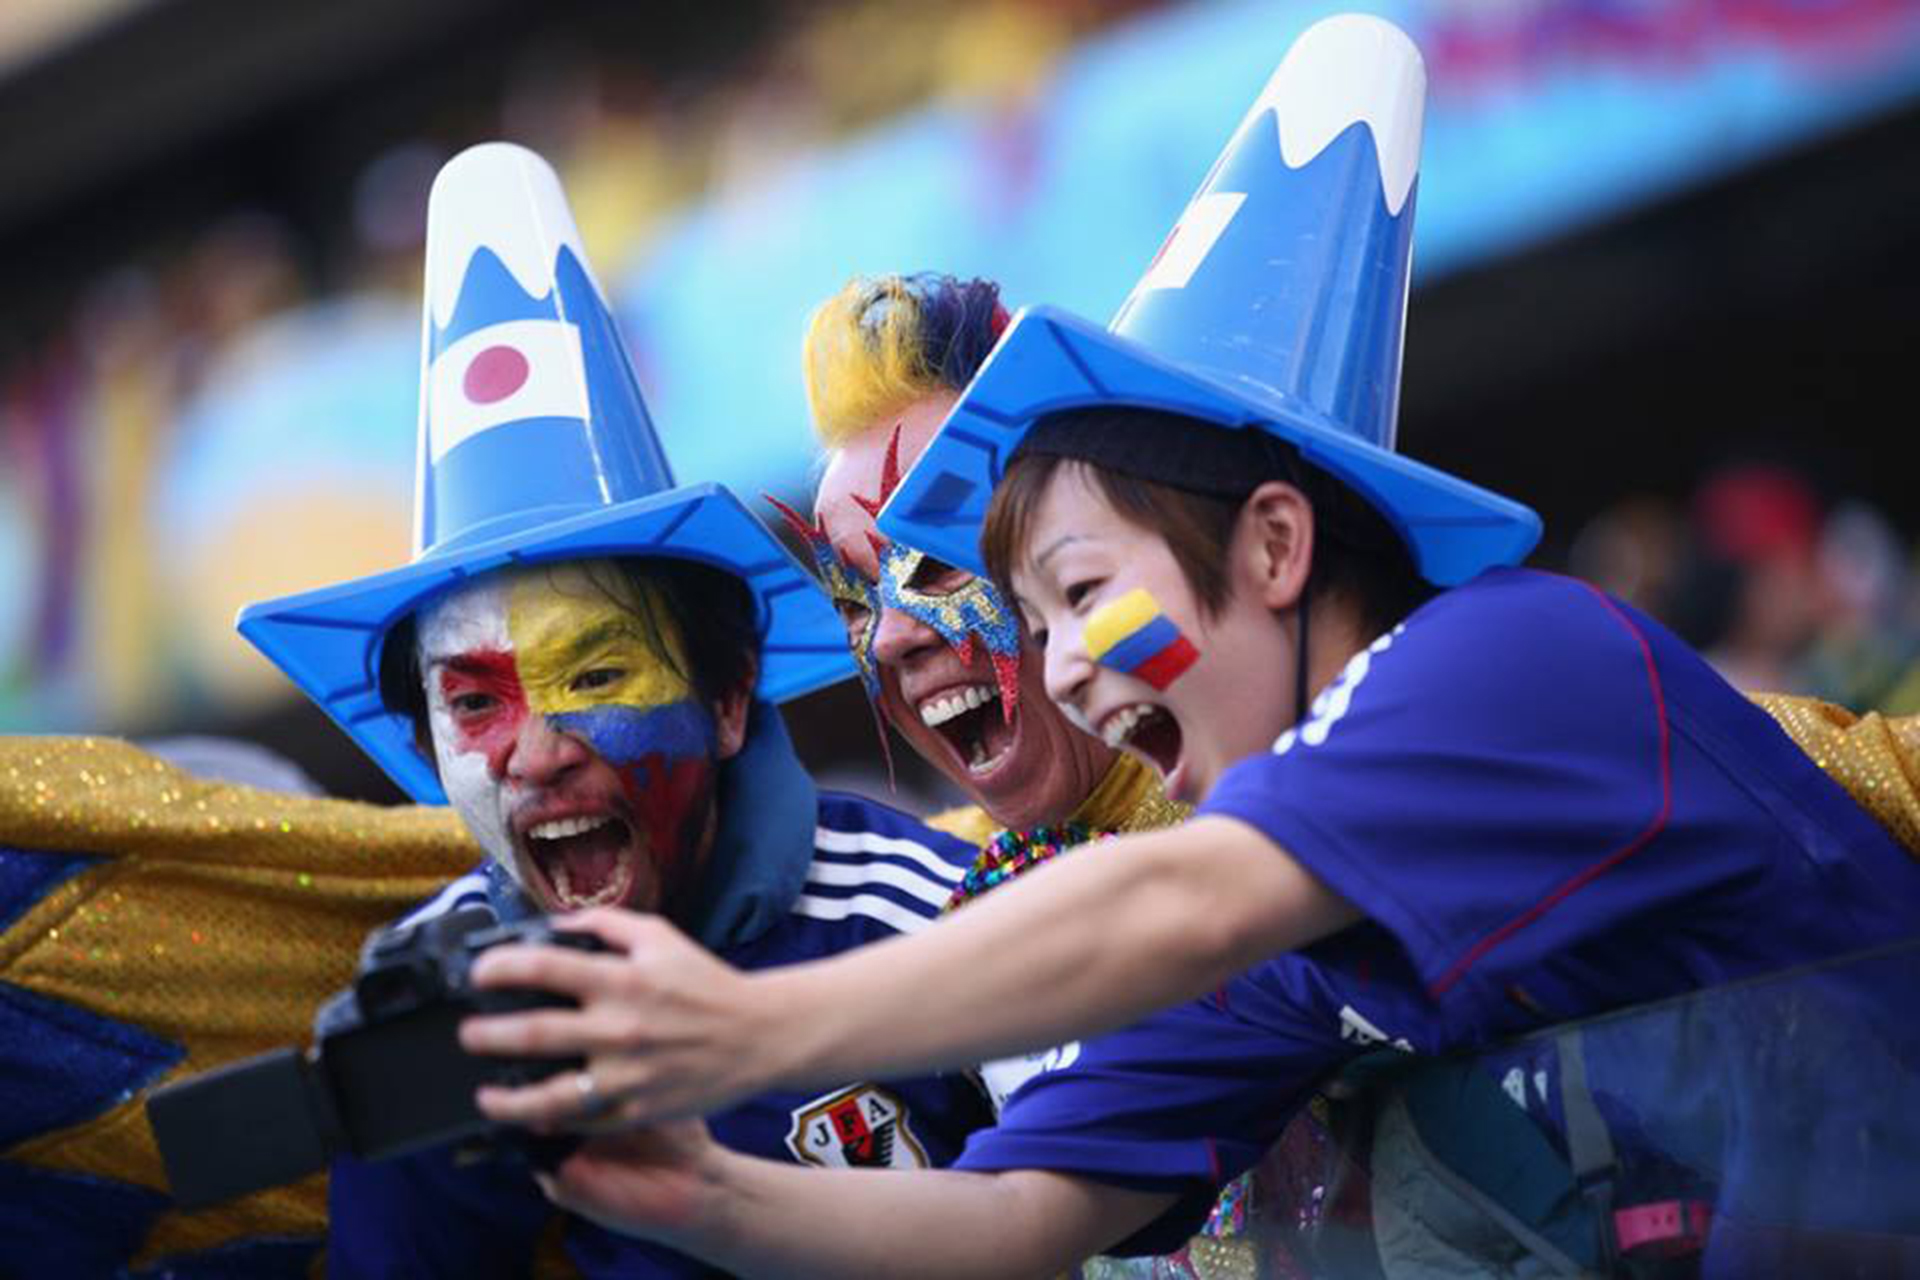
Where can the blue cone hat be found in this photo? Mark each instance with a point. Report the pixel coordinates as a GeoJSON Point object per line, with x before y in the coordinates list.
{"type": "Point", "coordinates": [534, 445]}
{"type": "Point", "coordinates": [1277, 303]}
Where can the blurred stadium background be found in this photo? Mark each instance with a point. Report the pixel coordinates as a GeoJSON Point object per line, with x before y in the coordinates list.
{"type": "Point", "coordinates": [1667, 259]}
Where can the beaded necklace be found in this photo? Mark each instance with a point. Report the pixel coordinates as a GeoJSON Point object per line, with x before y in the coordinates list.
{"type": "Point", "coordinates": [1011, 852]}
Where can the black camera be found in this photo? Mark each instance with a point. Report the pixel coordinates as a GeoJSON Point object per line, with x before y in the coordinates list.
{"type": "Point", "coordinates": [386, 1076]}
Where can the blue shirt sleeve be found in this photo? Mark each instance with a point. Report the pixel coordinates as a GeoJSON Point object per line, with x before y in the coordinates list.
{"type": "Point", "coordinates": [1473, 768]}
{"type": "Point", "coordinates": [1180, 1102]}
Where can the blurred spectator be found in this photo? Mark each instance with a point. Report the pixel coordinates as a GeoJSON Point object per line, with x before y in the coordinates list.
{"type": "Point", "coordinates": [1633, 550]}
{"type": "Point", "coordinates": [1867, 655]}
{"type": "Point", "coordinates": [1752, 597]}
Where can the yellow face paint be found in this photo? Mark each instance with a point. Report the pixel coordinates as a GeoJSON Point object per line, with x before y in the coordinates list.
{"type": "Point", "coordinates": [577, 646]}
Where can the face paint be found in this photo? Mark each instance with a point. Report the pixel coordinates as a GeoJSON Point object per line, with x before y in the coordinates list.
{"type": "Point", "coordinates": [610, 797]}
{"type": "Point", "coordinates": [467, 659]}
{"type": "Point", "coordinates": [856, 599]}
{"type": "Point", "coordinates": [1132, 635]}
{"type": "Point", "coordinates": [849, 590]}
{"type": "Point", "coordinates": [972, 610]}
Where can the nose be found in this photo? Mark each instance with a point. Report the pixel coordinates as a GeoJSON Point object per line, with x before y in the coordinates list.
{"type": "Point", "coordinates": [539, 754]}
{"type": "Point", "coordinates": [900, 637]}
{"type": "Point", "coordinates": [1067, 669]}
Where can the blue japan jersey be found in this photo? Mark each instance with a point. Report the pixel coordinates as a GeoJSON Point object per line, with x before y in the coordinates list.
{"type": "Point", "coordinates": [875, 873]}
{"type": "Point", "coordinates": [1546, 806]}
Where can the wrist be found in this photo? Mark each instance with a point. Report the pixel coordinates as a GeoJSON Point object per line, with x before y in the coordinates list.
{"type": "Point", "coordinates": [784, 1036]}
{"type": "Point", "coordinates": [713, 1220]}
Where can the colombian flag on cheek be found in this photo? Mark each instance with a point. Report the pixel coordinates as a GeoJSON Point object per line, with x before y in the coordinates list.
{"type": "Point", "coordinates": [1131, 635]}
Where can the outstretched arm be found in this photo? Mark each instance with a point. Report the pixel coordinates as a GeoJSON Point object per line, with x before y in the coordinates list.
{"type": "Point", "coordinates": [756, 1217]}
{"type": "Point", "coordinates": [1079, 946]}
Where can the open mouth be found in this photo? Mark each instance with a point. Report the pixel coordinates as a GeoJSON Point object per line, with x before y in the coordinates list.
{"type": "Point", "coordinates": [973, 723]}
{"type": "Point", "coordinates": [1148, 732]}
{"type": "Point", "coordinates": [584, 861]}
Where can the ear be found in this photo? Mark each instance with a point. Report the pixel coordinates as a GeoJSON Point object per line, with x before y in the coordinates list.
{"type": "Point", "coordinates": [730, 714]}
{"type": "Point", "coordinates": [1272, 549]}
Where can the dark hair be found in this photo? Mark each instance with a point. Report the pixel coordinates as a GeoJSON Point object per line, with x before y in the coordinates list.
{"type": "Point", "coordinates": [712, 608]}
{"type": "Point", "coordinates": [1186, 480]}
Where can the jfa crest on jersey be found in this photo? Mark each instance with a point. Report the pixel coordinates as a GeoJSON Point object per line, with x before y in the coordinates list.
{"type": "Point", "coordinates": [862, 1126]}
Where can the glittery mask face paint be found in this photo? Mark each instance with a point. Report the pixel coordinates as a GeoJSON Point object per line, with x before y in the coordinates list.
{"type": "Point", "coordinates": [1134, 636]}
{"type": "Point", "coordinates": [855, 598]}
{"type": "Point", "coordinates": [959, 608]}
{"type": "Point", "coordinates": [859, 604]}
{"type": "Point", "coordinates": [572, 745]}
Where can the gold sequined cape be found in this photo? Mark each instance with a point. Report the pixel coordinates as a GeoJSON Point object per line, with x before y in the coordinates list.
{"type": "Point", "coordinates": [197, 921]}
{"type": "Point", "coordinates": [1875, 757]}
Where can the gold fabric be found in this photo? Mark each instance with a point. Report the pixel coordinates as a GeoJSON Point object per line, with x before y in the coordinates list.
{"type": "Point", "coordinates": [1876, 758]}
{"type": "Point", "coordinates": [217, 919]}
{"type": "Point", "coordinates": [1130, 798]}
{"type": "Point", "coordinates": [965, 822]}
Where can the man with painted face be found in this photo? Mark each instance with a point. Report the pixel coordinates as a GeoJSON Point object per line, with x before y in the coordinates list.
{"type": "Point", "coordinates": [582, 658]}
{"type": "Point", "coordinates": [941, 652]}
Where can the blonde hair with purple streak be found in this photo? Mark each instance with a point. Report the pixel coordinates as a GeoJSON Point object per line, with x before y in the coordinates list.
{"type": "Point", "coordinates": [883, 342]}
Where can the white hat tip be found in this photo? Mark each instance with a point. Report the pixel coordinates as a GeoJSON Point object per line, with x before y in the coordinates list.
{"type": "Point", "coordinates": [1347, 68]}
{"type": "Point", "coordinates": [505, 197]}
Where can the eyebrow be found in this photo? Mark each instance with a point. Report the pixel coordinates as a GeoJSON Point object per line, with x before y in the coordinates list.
{"type": "Point", "coordinates": [1058, 543]}
{"type": "Point", "coordinates": [568, 650]}
{"type": "Point", "coordinates": [598, 636]}
{"type": "Point", "coordinates": [490, 663]}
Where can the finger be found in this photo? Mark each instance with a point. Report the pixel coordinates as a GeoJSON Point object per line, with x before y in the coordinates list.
{"type": "Point", "coordinates": [619, 928]}
{"type": "Point", "coordinates": [587, 1178]}
{"type": "Point", "coordinates": [554, 1102]}
{"type": "Point", "coordinates": [559, 969]}
{"type": "Point", "coordinates": [536, 1033]}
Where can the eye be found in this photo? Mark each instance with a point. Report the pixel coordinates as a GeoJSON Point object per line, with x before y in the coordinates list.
{"type": "Point", "coordinates": [938, 578]}
{"type": "Point", "coordinates": [597, 678]}
{"type": "Point", "coordinates": [1079, 591]}
{"type": "Point", "coordinates": [853, 614]}
{"type": "Point", "coordinates": [1039, 635]}
{"type": "Point", "coordinates": [469, 705]}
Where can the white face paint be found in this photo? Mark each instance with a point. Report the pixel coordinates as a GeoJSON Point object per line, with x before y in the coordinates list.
{"type": "Point", "coordinates": [472, 620]}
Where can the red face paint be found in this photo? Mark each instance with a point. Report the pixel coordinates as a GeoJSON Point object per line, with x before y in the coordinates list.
{"type": "Point", "coordinates": [667, 797]}
{"type": "Point", "coordinates": [485, 703]}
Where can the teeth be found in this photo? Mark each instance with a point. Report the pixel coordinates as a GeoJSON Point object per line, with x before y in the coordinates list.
{"type": "Point", "coordinates": [981, 762]}
{"type": "Point", "coordinates": [940, 710]}
{"type": "Point", "coordinates": [1120, 725]}
{"type": "Point", "coordinates": [612, 891]}
{"type": "Point", "coordinates": [561, 828]}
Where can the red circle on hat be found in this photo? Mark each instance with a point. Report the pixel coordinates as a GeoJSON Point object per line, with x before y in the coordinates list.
{"type": "Point", "coordinates": [495, 374]}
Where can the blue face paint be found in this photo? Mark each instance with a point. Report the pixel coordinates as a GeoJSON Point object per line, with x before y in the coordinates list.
{"type": "Point", "coordinates": [625, 735]}
{"type": "Point", "coordinates": [664, 756]}
{"type": "Point", "coordinates": [973, 608]}
{"type": "Point", "coordinates": [851, 592]}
